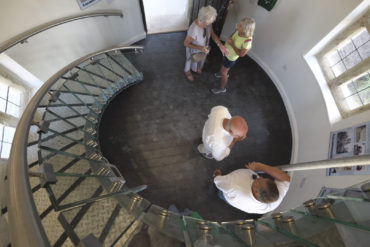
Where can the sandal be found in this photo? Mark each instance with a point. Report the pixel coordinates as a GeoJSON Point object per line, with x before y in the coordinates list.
{"type": "Point", "coordinates": [189, 76]}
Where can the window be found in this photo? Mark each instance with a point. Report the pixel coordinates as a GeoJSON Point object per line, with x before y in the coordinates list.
{"type": "Point", "coordinates": [345, 63]}
{"type": "Point", "coordinates": [10, 100]}
{"type": "Point", "coordinates": [6, 138]}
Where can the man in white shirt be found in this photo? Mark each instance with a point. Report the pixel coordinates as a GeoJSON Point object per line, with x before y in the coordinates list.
{"type": "Point", "coordinates": [245, 190]}
{"type": "Point", "coordinates": [221, 132]}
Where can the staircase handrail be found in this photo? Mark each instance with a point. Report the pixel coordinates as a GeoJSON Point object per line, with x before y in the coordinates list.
{"type": "Point", "coordinates": [24, 222]}
{"type": "Point", "coordinates": [33, 31]}
{"type": "Point", "coordinates": [323, 164]}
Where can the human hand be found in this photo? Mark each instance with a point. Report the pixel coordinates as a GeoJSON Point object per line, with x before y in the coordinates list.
{"type": "Point", "coordinates": [224, 50]}
{"type": "Point", "coordinates": [230, 41]}
{"type": "Point", "coordinates": [217, 172]}
{"type": "Point", "coordinates": [205, 49]}
{"type": "Point", "coordinates": [254, 166]}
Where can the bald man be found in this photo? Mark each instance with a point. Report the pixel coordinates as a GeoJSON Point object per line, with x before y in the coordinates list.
{"type": "Point", "coordinates": [221, 132]}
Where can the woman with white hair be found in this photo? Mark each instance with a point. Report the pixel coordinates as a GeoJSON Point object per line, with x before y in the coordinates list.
{"type": "Point", "coordinates": [238, 45]}
{"type": "Point", "coordinates": [198, 34]}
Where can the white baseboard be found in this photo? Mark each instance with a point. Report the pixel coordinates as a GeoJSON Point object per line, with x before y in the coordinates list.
{"type": "Point", "coordinates": [288, 105]}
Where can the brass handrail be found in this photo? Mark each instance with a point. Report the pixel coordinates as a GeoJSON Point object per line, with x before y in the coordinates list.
{"type": "Point", "coordinates": [24, 222]}
{"type": "Point", "coordinates": [33, 31]}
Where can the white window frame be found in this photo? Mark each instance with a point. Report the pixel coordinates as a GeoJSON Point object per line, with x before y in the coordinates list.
{"type": "Point", "coordinates": [333, 82]}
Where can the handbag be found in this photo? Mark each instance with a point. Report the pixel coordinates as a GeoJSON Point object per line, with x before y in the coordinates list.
{"type": "Point", "coordinates": [198, 57]}
{"type": "Point", "coordinates": [201, 56]}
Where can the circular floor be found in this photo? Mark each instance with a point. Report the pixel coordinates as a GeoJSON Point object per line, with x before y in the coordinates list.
{"type": "Point", "coordinates": [151, 130]}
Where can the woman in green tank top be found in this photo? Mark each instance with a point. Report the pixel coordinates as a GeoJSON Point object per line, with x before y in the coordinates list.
{"type": "Point", "coordinates": [238, 45]}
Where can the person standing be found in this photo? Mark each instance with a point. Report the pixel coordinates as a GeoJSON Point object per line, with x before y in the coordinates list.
{"type": "Point", "coordinates": [245, 190]}
{"type": "Point", "coordinates": [196, 40]}
{"type": "Point", "coordinates": [238, 45]}
{"type": "Point", "coordinates": [221, 132]}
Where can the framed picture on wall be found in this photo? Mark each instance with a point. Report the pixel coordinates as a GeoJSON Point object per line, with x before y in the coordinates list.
{"type": "Point", "coordinates": [86, 3]}
{"type": "Point", "coordinates": [349, 142]}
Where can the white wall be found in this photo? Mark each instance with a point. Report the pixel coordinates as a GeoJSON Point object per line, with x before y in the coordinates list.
{"type": "Point", "coordinates": [47, 52]}
{"type": "Point", "coordinates": [282, 37]}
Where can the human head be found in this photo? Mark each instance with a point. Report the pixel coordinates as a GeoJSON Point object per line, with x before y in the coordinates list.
{"type": "Point", "coordinates": [238, 127]}
{"type": "Point", "coordinates": [207, 15]}
{"type": "Point", "coordinates": [265, 190]}
{"type": "Point", "coordinates": [246, 27]}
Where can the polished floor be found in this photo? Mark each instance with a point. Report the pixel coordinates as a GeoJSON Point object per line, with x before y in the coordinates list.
{"type": "Point", "coordinates": [151, 130]}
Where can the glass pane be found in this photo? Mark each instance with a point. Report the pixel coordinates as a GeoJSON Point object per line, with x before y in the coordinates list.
{"type": "Point", "coordinates": [358, 192]}
{"type": "Point", "coordinates": [346, 212]}
{"type": "Point", "coordinates": [165, 220]}
{"type": "Point", "coordinates": [365, 96]}
{"type": "Point", "coordinates": [14, 96]}
{"type": "Point", "coordinates": [364, 50]}
{"type": "Point", "coordinates": [203, 233]}
{"type": "Point", "coordinates": [307, 229]}
{"type": "Point", "coordinates": [334, 58]}
{"type": "Point", "coordinates": [348, 89]}
{"type": "Point", "coordinates": [338, 69]}
{"type": "Point", "coordinates": [347, 49]}
{"type": "Point", "coordinates": [361, 38]}
{"type": "Point", "coordinates": [2, 105]}
{"type": "Point", "coordinates": [13, 110]}
{"type": "Point", "coordinates": [362, 82]}
{"type": "Point", "coordinates": [1, 132]}
{"type": "Point", "coordinates": [3, 90]}
{"type": "Point", "coordinates": [353, 102]}
{"type": "Point", "coordinates": [8, 134]}
{"type": "Point", "coordinates": [5, 151]}
{"type": "Point", "coordinates": [352, 59]}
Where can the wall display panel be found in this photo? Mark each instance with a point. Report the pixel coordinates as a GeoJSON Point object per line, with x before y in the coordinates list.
{"type": "Point", "coordinates": [349, 142]}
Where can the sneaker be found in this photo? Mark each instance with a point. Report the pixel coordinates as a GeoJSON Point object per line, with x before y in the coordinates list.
{"type": "Point", "coordinates": [218, 75]}
{"type": "Point", "coordinates": [207, 156]}
{"type": "Point", "coordinates": [218, 91]}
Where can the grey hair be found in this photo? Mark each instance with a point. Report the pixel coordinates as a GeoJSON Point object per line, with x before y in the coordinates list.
{"type": "Point", "coordinates": [247, 25]}
{"type": "Point", "coordinates": [207, 14]}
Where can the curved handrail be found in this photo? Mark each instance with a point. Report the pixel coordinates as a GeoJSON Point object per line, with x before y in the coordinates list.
{"type": "Point", "coordinates": [322, 164]}
{"type": "Point", "coordinates": [33, 31]}
{"type": "Point", "coordinates": [24, 220]}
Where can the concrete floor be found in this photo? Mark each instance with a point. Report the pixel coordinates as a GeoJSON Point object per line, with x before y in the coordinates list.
{"type": "Point", "coordinates": [151, 130]}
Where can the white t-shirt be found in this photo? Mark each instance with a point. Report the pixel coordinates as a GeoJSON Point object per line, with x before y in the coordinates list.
{"type": "Point", "coordinates": [215, 138]}
{"type": "Point", "coordinates": [237, 189]}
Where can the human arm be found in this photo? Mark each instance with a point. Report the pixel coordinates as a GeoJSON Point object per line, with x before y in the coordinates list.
{"type": "Point", "coordinates": [218, 42]}
{"type": "Point", "coordinates": [188, 43]}
{"type": "Point", "coordinates": [276, 173]}
{"type": "Point", "coordinates": [240, 52]}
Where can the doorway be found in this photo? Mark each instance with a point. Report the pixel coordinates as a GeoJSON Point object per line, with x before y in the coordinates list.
{"type": "Point", "coordinates": [162, 16]}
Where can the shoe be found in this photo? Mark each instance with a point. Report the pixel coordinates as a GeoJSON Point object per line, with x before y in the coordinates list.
{"type": "Point", "coordinates": [218, 91]}
{"type": "Point", "coordinates": [189, 76]}
{"type": "Point", "coordinates": [207, 156]}
{"type": "Point", "coordinates": [218, 75]}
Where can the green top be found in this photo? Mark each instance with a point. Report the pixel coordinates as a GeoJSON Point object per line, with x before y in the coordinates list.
{"type": "Point", "coordinates": [240, 42]}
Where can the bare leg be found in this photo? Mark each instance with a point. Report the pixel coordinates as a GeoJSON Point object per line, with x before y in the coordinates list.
{"type": "Point", "coordinates": [224, 76]}
{"type": "Point", "coordinates": [189, 75]}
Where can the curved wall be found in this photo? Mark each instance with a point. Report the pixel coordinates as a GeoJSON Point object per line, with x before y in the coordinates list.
{"type": "Point", "coordinates": [49, 51]}
{"type": "Point", "coordinates": [282, 37]}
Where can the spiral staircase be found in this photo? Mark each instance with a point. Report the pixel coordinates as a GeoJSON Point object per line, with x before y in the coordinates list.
{"type": "Point", "coordinates": [62, 191]}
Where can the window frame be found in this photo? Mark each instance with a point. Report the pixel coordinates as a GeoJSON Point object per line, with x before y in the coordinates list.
{"type": "Point", "coordinates": [333, 82]}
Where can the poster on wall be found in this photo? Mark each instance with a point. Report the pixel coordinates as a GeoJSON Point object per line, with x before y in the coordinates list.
{"type": "Point", "coordinates": [86, 3]}
{"type": "Point", "coordinates": [349, 142]}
